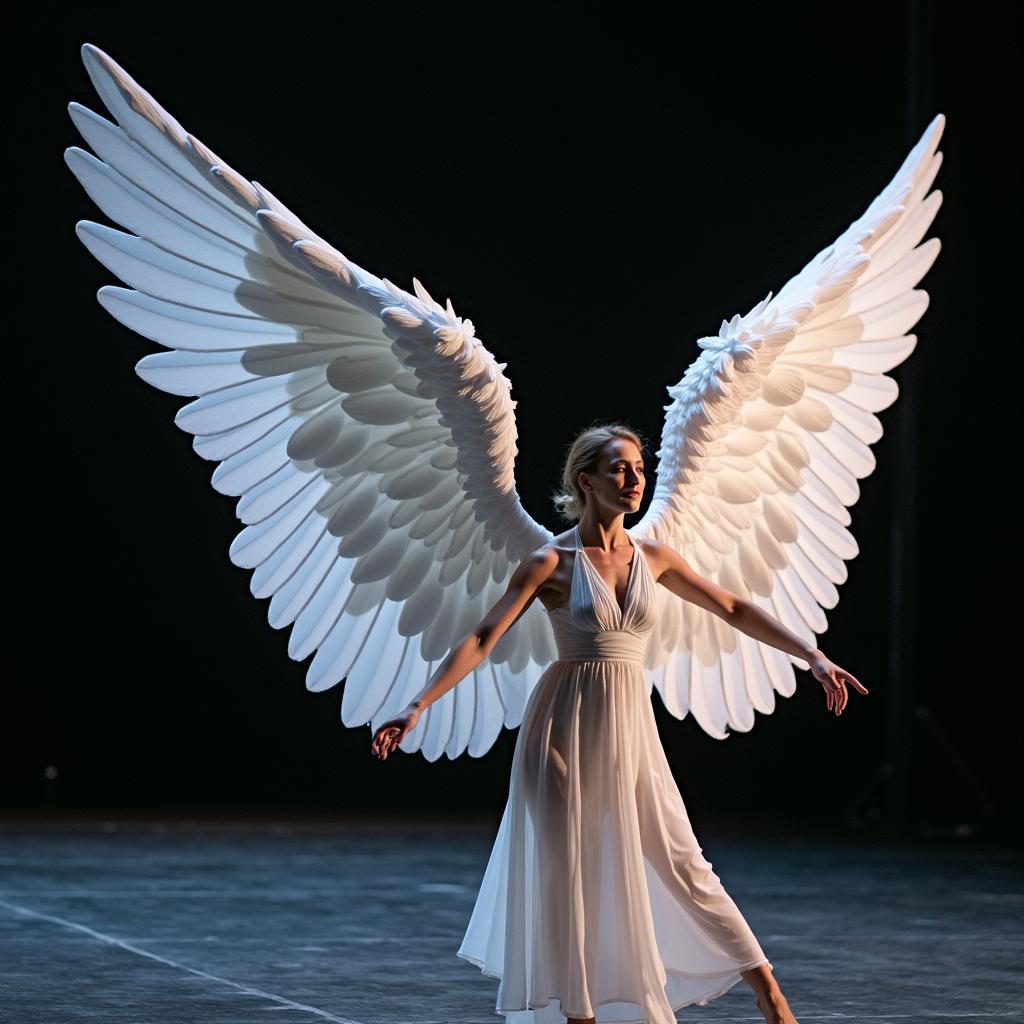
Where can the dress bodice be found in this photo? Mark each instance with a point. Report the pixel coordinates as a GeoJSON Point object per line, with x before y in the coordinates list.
{"type": "Point", "coordinates": [592, 626]}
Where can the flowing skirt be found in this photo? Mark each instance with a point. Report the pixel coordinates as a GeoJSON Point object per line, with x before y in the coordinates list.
{"type": "Point", "coordinates": [596, 899]}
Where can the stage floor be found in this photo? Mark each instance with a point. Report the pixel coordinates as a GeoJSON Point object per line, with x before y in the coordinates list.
{"type": "Point", "coordinates": [357, 923]}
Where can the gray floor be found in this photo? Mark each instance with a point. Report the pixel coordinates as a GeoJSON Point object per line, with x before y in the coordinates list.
{"type": "Point", "coordinates": [243, 923]}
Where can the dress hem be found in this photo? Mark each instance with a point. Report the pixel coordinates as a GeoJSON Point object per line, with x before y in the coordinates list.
{"type": "Point", "coordinates": [731, 981]}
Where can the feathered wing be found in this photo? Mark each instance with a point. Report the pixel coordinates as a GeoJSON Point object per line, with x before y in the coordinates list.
{"type": "Point", "coordinates": [369, 435]}
{"type": "Point", "coordinates": [765, 439]}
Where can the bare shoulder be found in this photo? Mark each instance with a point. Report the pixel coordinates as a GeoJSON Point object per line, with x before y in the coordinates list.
{"type": "Point", "coordinates": [558, 545]}
{"type": "Point", "coordinates": [550, 569]}
{"type": "Point", "coordinates": [660, 557]}
{"type": "Point", "coordinates": [548, 557]}
{"type": "Point", "coordinates": [545, 557]}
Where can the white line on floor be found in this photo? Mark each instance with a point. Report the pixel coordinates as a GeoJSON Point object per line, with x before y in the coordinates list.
{"type": "Point", "coordinates": [282, 1001]}
{"type": "Point", "coordinates": [248, 990]}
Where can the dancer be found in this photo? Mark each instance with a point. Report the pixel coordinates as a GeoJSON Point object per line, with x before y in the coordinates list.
{"type": "Point", "coordinates": [592, 801]}
{"type": "Point", "coordinates": [371, 439]}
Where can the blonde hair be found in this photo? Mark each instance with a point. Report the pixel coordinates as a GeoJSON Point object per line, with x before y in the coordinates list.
{"type": "Point", "coordinates": [583, 456]}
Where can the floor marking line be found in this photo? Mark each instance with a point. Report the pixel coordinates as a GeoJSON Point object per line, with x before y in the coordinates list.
{"type": "Point", "coordinates": [247, 989]}
{"type": "Point", "coordinates": [324, 1014]}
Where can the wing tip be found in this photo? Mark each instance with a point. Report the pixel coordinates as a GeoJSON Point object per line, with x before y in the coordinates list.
{"type": "Point", "coordinates": [94, 57]}
{"type": "Point", "coordinates": [929, 140]}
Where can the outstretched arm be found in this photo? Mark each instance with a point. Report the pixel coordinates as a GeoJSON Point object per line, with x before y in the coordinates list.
{"type": "Point", "coordinates": [742, 614]}
{"type": "Point", "coordinates": [523, 587]}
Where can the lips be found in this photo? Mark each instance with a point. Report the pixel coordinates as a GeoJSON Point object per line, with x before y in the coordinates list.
{"type": "Point", "coordinates": [631, 494]}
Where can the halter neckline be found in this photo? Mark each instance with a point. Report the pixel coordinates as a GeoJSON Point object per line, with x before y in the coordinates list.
{"type": "Point", "coordinates": [620, 609]}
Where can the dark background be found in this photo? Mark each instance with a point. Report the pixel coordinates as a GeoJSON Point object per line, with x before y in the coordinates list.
{"type": "Point", "coordinates": [595, 191]}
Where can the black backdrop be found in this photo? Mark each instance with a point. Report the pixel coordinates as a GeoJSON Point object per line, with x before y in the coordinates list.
{"type": "Point", "coordinates": [595, 192]}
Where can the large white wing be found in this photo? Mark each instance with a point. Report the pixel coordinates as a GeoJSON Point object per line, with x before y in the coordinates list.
{"type": "Point", "coordinates": [368, 433]}
{"type": "Point", "coordinates": [765, 439]}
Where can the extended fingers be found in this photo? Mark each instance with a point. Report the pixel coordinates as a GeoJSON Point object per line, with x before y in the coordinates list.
{"type": "Point", "coordinates": [839, 701]}
{"type": "Point", "coordinates": [856, 682]}
{"type": "Point", "coordinates": [837, 695]}
{"type": "Point", "coordinates": [381, 742]}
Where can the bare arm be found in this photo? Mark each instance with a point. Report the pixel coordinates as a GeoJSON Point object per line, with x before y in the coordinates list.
{"type": "Point", "coordinates": [523, 586]}
{"type": "Point", "coordinates": [748, 618]}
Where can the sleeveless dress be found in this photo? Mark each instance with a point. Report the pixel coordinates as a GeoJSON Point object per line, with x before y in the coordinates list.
{"type": "Point", "coordinates": [596, 900]}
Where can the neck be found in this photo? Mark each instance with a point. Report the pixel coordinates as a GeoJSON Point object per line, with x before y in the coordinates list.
{"type": "Point", "coordinates": [606, 534]}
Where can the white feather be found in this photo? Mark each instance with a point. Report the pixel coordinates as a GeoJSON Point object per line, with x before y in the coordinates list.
{"type": "Point", "coordinates": [806, 371]}
{"type": "Point", "coordinates": [368, 434]}
{"type": "Point", "coordinates": [370, 437]}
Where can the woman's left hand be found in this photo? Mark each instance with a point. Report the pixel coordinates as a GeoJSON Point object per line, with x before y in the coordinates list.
{"type": "Point", "coordinates": [834, 680]}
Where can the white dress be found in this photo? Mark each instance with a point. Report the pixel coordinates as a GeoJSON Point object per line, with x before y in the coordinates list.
{"type": "Point", "coordinates": [596, 899]}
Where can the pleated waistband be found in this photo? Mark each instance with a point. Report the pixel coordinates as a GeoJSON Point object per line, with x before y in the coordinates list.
{"type": "Point", "coordinates": [606, 645]}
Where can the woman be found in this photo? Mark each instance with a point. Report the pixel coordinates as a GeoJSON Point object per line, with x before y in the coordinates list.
{"type": "Point", "coordinates": [597, 904]}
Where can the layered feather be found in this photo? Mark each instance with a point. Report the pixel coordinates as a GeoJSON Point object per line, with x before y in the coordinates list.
{"type": "Point", "coordinates": [370, 437]}
{"type": "Point", "coordinates": [764, 442]}
{"type": "Point", "coordinates": [367, 433]}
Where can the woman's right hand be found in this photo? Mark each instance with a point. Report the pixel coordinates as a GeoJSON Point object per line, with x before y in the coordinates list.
{"type": "Point", "coordinates": [392, 732]}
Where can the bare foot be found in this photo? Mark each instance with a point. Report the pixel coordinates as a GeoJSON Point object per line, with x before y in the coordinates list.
{"type": "Point", "coordinates": [775, 1008]}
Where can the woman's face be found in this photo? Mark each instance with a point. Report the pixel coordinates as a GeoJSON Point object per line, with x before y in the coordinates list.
{"type": "Point", "coordinates": [618, 482]}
